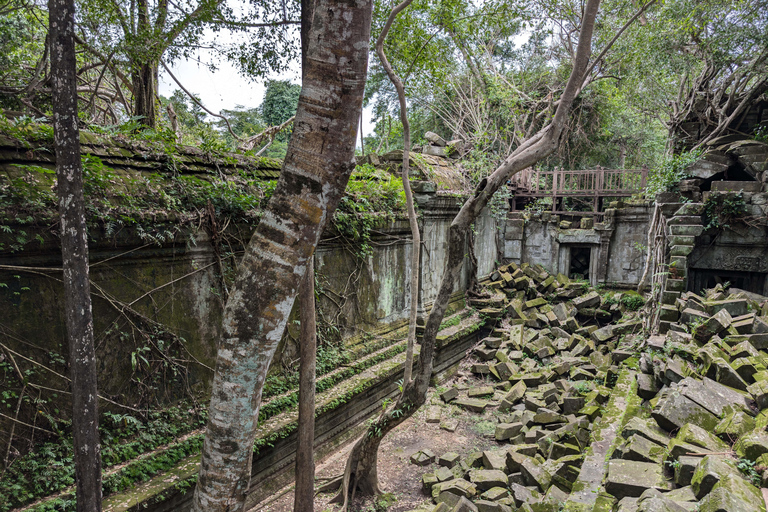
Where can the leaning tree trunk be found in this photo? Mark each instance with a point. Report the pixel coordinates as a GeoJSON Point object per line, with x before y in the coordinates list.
{"type": "Point", "coordinates": [304, 497]}
{"type": "Point", "coordinates": [317, 166]}
{"type": "Point", "coordinates": [412, 220]}
{"type": "Point", "coordinates": [145, 78]}
{"type": "Point", "coordinates": [74, 252]}
{"type": "Point", "coordinates": [360, 471]}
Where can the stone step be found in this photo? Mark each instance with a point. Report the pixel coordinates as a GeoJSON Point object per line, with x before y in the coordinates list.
{"type": "Point", "coordinates": [685, 220]}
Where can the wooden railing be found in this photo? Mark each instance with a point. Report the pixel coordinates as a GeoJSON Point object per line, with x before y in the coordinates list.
{"type": "Point", "coordinates": [588, 187]}
{"type": "Point", "coordinates": [593, 182]}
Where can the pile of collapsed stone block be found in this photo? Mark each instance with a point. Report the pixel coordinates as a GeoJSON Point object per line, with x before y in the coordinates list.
{"type": "Point", "coordinates": [592, 414]}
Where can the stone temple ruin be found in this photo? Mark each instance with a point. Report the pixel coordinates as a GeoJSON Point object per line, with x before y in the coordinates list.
{"type": "Point", "coordinates": [600, 399]}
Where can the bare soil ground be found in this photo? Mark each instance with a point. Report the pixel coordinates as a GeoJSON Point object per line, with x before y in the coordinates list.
{"type": "Point", "coordinates": [397, 475]}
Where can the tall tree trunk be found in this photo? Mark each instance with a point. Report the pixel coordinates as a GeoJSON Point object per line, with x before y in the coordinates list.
{"type": "Point", "coordinates": [305, 461]}
{"type": "Point", "coordinates": [145, 78]}
{"type": "Point", "coordinates": [360, 472]}
{"type": "Point", "coordinates": [315, 172]}
{"type": "Point", "coordinates": [412, 219]}
{"type": "Point", "coordinates": [74, 252]}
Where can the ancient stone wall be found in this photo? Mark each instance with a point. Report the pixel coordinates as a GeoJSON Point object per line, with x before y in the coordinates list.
{"type": "Point", "coordinates": [614, 249]}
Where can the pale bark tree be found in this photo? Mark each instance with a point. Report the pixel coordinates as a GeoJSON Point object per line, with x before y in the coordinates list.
{"type": "Point", "coordinates": [412, 220]}
{"type": "Point", "coordinates": [360, 474]}
{"type": "Point", "coordinates": [74, 252]}
{"type": "Point", "coordinates": [317, 167]}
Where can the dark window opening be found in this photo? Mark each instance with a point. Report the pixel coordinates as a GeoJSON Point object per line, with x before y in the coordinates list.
{"type": "Point", "coordinates": [701, 279]}
{"type": "Point", "coordinates": [736, 172]}
{"type": "Point", "coordinates": [579, 265]}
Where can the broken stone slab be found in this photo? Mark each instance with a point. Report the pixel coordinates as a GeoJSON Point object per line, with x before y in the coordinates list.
{"type": "Point", "coordinates": [684, 469]}
{"type": "Point", "coordinates": [449, 424]}
{"type": "Point", "coordinates": [735, 307]}
{"type": "Point", "coordinates": [434, 413]}
{"type": "Point", "coordinates": [485, 479]}
{"type": "Point", "coordinates": [646, 428]}
{"type": "Point", "coordinates": [759, 391]}
{"type": "Point", "coordinates": [631, 478]}
{"type": "Point", "coordinates": [506, 431]}
{"type": "Point", "coordinates": [646, 386]}
{"type": "Point", "coordinates": [534, 474]}
{"type": "Point", "coordinates": [449, 459]}
{"type": "Point", "coordinates": [449, 394]}
{"type": "Point", "coordinates": [480, 391]}
{"type": "Point", "coordinates": [603, 334]}
{"type": "Point", "coordinates": [464, 505]}
{"type": "Point", "coordinates": [674, 410]}
{"type": "Point", "coordinates": [752, 444]}
{"type": "Point", "coordinates": [713, 396]}
{"type": "Point", "coordinates": [726, 375]}
{"type": "Point", "coordinates": [590, 300]}
{"type": "Point", "coordinates": [710, 470]}
{"type": "Point", "coordinates": [731, 494]}
{"type": "Point", "coordinates": [457, 487]}
{"type": "Point", "coordinates": [495, 493]}
{"type": "Point", "coordinates": [734, 425]}
{"type": "Point", "coordinates": [472, 404]}
{"type": "Point", "coordinates": [639, 448]}
{"type": "Point", "coordinates": [678, 448]}
{"type": "Point", "coordinates": [698, 436]}
{"type": "Point", "coordinates": [491, 506]}
{"type": "Point", "coordinates": [423, 457]}
{"type": "Point", "coordinates": [494, 459]}
{"type": "Point", "coordinates": [443, 474]}
{"type": "Point", "coordinates": [716, 324]}
{"type": "Point", "coordinates": [653, 501]}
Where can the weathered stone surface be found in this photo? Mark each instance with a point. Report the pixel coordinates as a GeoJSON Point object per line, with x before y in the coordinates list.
{"type": "Point", "coordinates": [675, 410]}
{"type": "Point", "coordinates": [506, 431]}
{"type": "Point", "coordinates": [630, 478]}
{"type": "Point", "coordinates": [684, 469]}
{"type": "Point", "coordinates": [535, 475]}
{"type": "Point", "coordinates": [759, 391]}
{"type": "Point", "coordinates": [449, 459]}
{"type": "Point", "coordinates": [464, 505]}
{"type": "Point", "coordinates": [495, 493]}
{"type": "Point", "coordinates": [444, 474]}
{"type": "Point", "coordinates": [640, 449]}
{"type": "Point", "coordinates": [733, 494]}
{"type": "Point", "coordinates": [589, 300]}
{"type": "Point", "coordinates": [494, 459]}
{"type": "Point", "coordinates": [698, 436]}
{"type": "Point", "coordinates": [712, 395]}
{"type": "Point", "coordinates": [485, 479]}
{"type": "Point", "coordinates": [714, 325]}
{"type": "Point", "coordinates": [734, 425]}
{"type": "Point", "coordinates": [472, 404]}
{"type": "Point", "coordinates": [433, 414]}
{"type": "Point", "coordinates": [654, 501]}
{"type": "Point", "coordinates": [422, 458]}
{"type": "Point", "coordinates": [710, 470]}
{"type": "Point", "coordinates": [458, 487]}
{"type": "Point", "coordinates": [449, 394]}
{"type": "Point", "coordinates": [646, 386]}
{"type": "Point", "coordinates": [752, 444]}
{"type": "Point", "coordinates": [479, 391]}
{"type": "Point", "coordinates": [646, 428]}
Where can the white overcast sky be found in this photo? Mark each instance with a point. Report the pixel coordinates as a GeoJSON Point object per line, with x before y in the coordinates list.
{"type": "Point", "coordinates": [226, 88]}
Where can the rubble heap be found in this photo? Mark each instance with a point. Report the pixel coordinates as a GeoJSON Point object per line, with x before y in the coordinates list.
{"type": "Point", "coordinates": [591, 414]}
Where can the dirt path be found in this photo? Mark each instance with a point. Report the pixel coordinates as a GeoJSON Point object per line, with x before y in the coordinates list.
{"type": "Point", "coordinates": [396, 474]}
